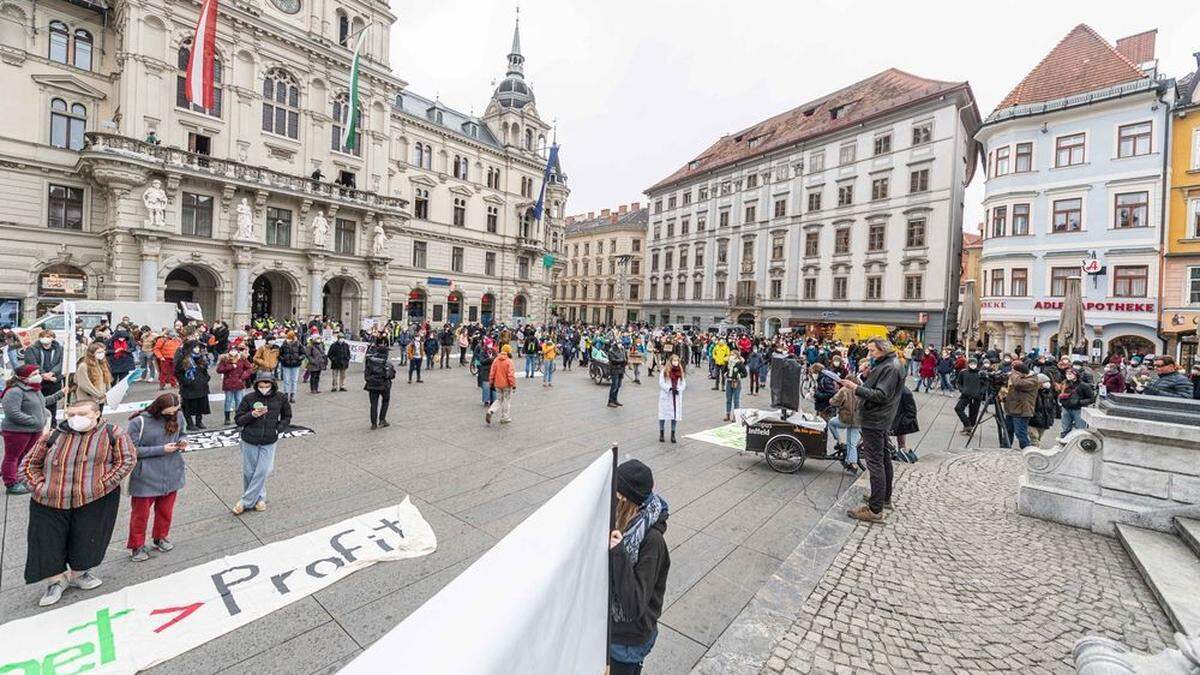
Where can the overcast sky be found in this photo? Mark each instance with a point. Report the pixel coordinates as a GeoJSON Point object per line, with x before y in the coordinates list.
{"type": "Point", "coordinates": [640, 88]}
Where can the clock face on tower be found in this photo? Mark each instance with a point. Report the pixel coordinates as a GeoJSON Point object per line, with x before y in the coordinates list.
{"type": "Point", "coordinates": [287, 6]}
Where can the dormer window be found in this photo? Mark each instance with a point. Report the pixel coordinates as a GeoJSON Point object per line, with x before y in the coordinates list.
{"type": "Point", "coordinates": [434, 115]}
{"type": "Point", "coordinates": [471, 129]}
{"type": "Point", "coordinates": [754, 142]}
{"type": "Point", "coordinates": [840, 111]}
{"type": "Point", "coordinates": [694, 164]}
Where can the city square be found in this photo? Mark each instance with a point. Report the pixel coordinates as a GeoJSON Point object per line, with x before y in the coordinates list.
{"type": "Point", "coordinates": [365, 336]}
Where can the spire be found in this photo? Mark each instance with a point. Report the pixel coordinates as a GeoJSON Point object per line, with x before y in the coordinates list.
{"type": "Point", "coordinates": [515, 60]}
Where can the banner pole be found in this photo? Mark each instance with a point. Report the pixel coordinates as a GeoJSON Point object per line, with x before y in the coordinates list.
{"type": "Point", "coordinates": [612, 525]}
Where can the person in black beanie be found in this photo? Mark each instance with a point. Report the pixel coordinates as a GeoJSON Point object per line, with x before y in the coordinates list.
{"type": "Point", "coordinates": [638, 566]}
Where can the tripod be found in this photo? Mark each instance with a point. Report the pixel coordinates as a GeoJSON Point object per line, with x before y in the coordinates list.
{"type": "Point", "coordinates": [990, 402]}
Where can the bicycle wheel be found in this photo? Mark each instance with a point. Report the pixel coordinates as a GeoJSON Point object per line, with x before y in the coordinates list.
{"type": "Point", "coordinates": [785, 454]}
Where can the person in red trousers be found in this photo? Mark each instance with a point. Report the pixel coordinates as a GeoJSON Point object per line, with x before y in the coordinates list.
{"type": "Point", "coordinates": [157, 433]}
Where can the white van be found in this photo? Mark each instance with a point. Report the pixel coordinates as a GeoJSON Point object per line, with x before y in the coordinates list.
{"type": "Point", "coordinates": [93, 312]}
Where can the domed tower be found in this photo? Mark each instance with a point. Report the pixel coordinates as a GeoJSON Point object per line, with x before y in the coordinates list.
{"type": "Point", "coordinates": [512, 113]}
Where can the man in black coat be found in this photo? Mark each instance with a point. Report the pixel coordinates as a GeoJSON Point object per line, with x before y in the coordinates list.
{"type": "Point", "coordinates": [339, 362]}
{"type": "Point", "coordinates": [879, 398]}
{"type": "Point", "coordinates": [972, 390]}
{"type": "Point", "coordinates": [617, 359]}
{"type": "Point", "coordinates": [262, 415]}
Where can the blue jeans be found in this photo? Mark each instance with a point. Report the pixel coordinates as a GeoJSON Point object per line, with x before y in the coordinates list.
{"type": "Point", "coordinates": [257, 462]}
{"type": "Point", "coordinates": [291, 375]}
{"type": "Point", "coordinates": [414, 366]}
{"type": "Point", "coordinates": [548, 371]}
{"type": "Point", "coordinates": [615, 387]}
{"type": "Point", "coordinates": [733, 396]}
{"type": "Point", "coordinates": [1019, 428]}
{"type": "Point", "coordinates": [852, 435]}
{"type": "Point", "coordinates": [944, 381]}
{"type": "Point", "coordinates": [488, 394]}
{"type": "Point", "coordinates": [233, 399]}
{"type": "Point", "coordinates": [530, 365]}
{"type": "Point", "coordinates": [1072, 419]}
{"type": "Point", "coordinates": [632, 654]}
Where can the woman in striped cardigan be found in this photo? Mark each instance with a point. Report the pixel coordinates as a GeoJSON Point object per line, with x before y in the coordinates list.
{"type": "Point", "coordinates": [74, 476]}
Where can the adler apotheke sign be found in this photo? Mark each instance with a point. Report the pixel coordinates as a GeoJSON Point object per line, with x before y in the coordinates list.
{"type": "Point", "coordinates": [1108, 305]}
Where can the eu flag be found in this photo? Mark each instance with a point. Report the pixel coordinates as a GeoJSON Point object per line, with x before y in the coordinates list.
{"type": "Point", "coordinates": [550, 162]}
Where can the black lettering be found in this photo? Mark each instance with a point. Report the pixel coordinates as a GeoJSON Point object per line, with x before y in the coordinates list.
{"type": "Point", "coordinates": [223, 588]}
{"type": "Point", "coordinates": [280, 582]}
{"type": "Point", "coordinates": [392, 525]}
{"type": "Point", "coordinates": [312, 566]}
{"type": "Point", "coordinates": [336, 545]}
{"type": "Point", "coordinates": [380, 543]}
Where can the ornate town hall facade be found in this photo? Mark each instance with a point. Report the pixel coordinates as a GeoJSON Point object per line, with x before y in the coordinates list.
{"type": "Point", "coordinates": [116, 188]}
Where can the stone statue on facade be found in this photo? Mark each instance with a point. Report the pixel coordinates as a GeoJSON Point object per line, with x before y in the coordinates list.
{"type": "Point", "coordinates": [245, 222]}
{"type": "Point", "coordinates": [156, 204]}
{"type": "Point", "coordinates": [379, 241]}
{"type": "Point", "coordinates": [320, 230]}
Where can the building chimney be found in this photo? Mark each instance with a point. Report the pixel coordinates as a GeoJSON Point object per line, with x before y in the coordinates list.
{"type": "Point", "coordinates": [591, 215]}
{"type": "Point", "coordinates": [635, 206]}
{"type": "Point", "coordinates": [604, 213]}
{"type": "Point", "coordinates": [622, 209]}
{"type": "Point", "coordinates": [612, 218]}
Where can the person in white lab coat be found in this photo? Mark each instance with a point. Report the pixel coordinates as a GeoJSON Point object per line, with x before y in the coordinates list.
{"type": "Point", "coordinates": [672, 381]}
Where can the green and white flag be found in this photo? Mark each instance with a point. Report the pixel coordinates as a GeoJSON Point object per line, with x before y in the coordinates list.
{"type": "Point", "coordinates": [350, 114]}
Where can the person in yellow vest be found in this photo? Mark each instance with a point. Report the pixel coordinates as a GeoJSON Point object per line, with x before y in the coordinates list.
{"type": "Point", "coordinates": [720, 356]}
{"type": "Point", "coordinates": [549, 353]}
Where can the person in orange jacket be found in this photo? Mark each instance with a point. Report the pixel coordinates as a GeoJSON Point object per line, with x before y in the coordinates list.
{"type": "Point", "coordinates": [164, 350]}
{"type": "Point", "coordinates": [503, 377]}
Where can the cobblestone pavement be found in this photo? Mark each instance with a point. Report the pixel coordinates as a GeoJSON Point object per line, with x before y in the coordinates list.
{"type": "Point", "coordinates": [957, 582]}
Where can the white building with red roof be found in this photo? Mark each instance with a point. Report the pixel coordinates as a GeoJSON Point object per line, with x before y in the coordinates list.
{"type": "Point", "coordinates": [1074, 176]}
{"type": "Point", "coordinates": [844, 211]}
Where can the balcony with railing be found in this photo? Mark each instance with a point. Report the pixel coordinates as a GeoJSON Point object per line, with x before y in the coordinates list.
{"type": "Point", "coordinates": [104, 146]}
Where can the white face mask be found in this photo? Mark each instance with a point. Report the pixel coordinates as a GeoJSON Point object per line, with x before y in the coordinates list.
{"type": "Point", "coordinates": [34, 379]}
{"type": "Point", "coordinates": [264, 390]}
{"type": "Point", "coordinates": [99, 356]}
{"type": "Point", "coordinates": [80, 423]}
{"type": "Point", "coordinates": [45, 341]}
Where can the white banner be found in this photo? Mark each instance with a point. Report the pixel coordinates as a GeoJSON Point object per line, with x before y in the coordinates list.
{"type": "Point", "coordinates": [148, 623]}
{"type": "Point", "coordinates": [536, 603]}
{"type": "Point", "coordinates": [358, 351]}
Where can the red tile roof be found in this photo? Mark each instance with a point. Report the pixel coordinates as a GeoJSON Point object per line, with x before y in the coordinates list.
{"type": "Point", "coordinates": [1138, 48]}
{"type": "Point", "coordinates": [1081, 62]}
{"type": "Point", "coordinates": [874, 96]}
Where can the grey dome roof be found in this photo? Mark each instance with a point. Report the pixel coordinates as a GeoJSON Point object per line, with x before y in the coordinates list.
{"type": "Point", "coordinates": [513, 92]}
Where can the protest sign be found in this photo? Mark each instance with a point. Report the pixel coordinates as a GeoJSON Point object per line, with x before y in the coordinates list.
{"type": "Point", "coordinates": [231, 436]}
{"type": "Point", "coordinates": [535, 604]}
{"type": "Point", "coordinates": [727, 436]}
{"type": "Point", "coordinates": [145, 624]}
{"type": "Point", "coordinates": [358, 351]}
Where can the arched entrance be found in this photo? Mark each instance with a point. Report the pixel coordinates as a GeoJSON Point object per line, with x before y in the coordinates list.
{"type": "Point", "coordinates": [773, 327]}
{"type": "Point", "coordinates": [416, 305]}
{"type": "Point", "coordinates": [340, 301]}
{"type": "Point", "coordinates": [189, 283]}
{"type": "Point", "coordinates": [272, 294]}
{"type": "Point", "coordinates": [487, 309]}
{"type": "Point", "coordinates": [454, 305]}
{"type": "Point", "coordinates": [60, 282]}
{"type": "Point", "coordinates": [1130, 345]}
{"type": "Point", "coordinates": [520, 307]}
{"type": "Point", "coordinates": [746, 319]}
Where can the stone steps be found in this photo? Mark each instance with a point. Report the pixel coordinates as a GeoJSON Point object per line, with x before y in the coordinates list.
{"type": "Point", "coordinates": [1189, 532]}
{"type": "Point", "coordinates": [1171, 567]}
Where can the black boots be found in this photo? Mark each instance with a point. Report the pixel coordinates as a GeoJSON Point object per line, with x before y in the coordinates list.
{"type": "Point", "coordinates": [227, 415]}
{"type": "Point", "coordinates": [672, 435]}
{"type": "Point", "coordinates": [661, 438]}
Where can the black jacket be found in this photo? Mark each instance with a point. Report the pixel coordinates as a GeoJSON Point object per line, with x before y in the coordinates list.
{"type": "Point", "coordinates": [1079, 394]}
{"type": "Point", "coordinates": [378, 373]}
{"type": "Point", "coordinates": [906, 415]}
{"type": "Point", "coordinates": [971, 384]}
{"type": "Point", "coordinates": [47, 359]}
{"type": "Point", "coordinates": [880, 394]}
{"type": "Point", "coordinates": [637, 590]}
{"type": "Point", "coordinates": [339, 355]}
{"type": "Point", "coordinates": [1045, 409]}
{"type": "Point", "coordinates": [485, 367]}
{"type": "Point", "coordinates": [291, 354]}
{"type": "Point", "coordinates": [264, 430]}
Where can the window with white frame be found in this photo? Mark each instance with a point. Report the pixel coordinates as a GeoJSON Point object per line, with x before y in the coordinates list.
{"type": "Point", "coordinates": [1133, 139]}
{"type": "Point", "coordinates": [1000, 165]}
{"type": "Point", "coordinates": [493, 219]}
{"type": "Point", "coordinates": [922, 132]}
{"type": "Point", "coordinates": [874, 287]}
{"type": "Point", "coordinates": [997, 284]}
{"type": "Point", "coordinates": [918, 181]}
{"type": "Point", "coordinates": [64, 207]}
{"type": "Point", "coordinates": [421, 204]}
{"type": "Point", "coordinates": [914, 287]}
{"type": "Point", "coordinates": [456, 259]}
{"type": "Point", "coordinates": [1024, 158]}
{"type": "Point", "coordinates": [816, 162]}
{"type": "Point", "coordinates": [840, 286]}
{"type": "Point", "coordinates": [1194, 285]}
{"type": "Point", "coordinates": [196, 215]}
{"type": "Point", "coordinates": [812, 244]}
{"type": "Point", "coordinates": [914, 236]}
{"type": "Point", "coordinates": [281, 104]}
{"type": "Point", "coordinates": [1069, 150]}
{"type": "Point", "coordinates": [1132, 209]}
{"type": "Point", "coordinates": [999, 222]}
{"type": "Point", "coordinates": [810, 288]}
{"type": "Point", "coordinates": [1068, 215]}
{"type": "Point", "coordinates": [279, 227]}
{"type": "Point", "coordinates": [345, 236]}
{"type": "Point", "coordinates": [460, 212]}
{"type": "Point", "coordinates": [846, 154]}
{"type": "Point", "coordinates": [67, 124]}
{"type": "Point", "coordinates": [1020, 219]}
{"type": "Point", "coordinates": [420, 251]}
{"type": "Point", "coordinates": [883, 144]}
{"type": "Point", "coordinates": [1130, 281]}
{"type": "Point", "coordinates": [1019, 283]}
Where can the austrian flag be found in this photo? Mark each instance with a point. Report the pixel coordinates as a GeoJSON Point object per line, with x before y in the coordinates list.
{"type": "Point", "coordinates": [199, 80]}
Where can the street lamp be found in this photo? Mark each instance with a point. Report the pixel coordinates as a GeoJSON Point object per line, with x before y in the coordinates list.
{"type": "Point", "coordinates": [622, 277]}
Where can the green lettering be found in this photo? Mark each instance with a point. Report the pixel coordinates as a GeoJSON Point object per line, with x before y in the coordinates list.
{"type": "Point", "coordinates": [29, 667]}
{"type": "Point", "coordinates": [51, 664]}
{"type": "Point", "coordinates": [104, 634]}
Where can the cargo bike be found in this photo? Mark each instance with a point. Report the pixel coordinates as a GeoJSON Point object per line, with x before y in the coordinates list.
{"type": "Point", "coordinates": [785, 436]}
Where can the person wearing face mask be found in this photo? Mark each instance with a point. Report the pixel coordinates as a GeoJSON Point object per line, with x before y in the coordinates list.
{"type": "Point", "coordinates": [1074, 394]}
{"type": "Point", "coordinates": [191, 369]}
{"type": "Point", "coordinates": [672, 381]}
{"type": "Point", "coordinates": [972, 391]}
{"type": "Point", "coordinates": [317, 361]}
{"type": "Point", "coordinates": [639, 562]}
{"type": "Point", "coordinates": [156, 432]}
{"type": "Point", "coordinates": [1045, 409]}
{"type": "Point", "coordinates": [1113, 380]}
{"type": "Point", "coordinates": [47, 355]}
{"type": "Point", "coordinates": [26, 407]}
{"type": "Point", "coordinates": [235, 370]}
{"type": "Point", "coordinates": [92, 377]}
{"type": "Point", "coordinates": [339, 362]}
{"type": "Point", "coordinates": [263, 414]}
{"type": "Point", "coordinates": [1019, 402]}
{"type": "Point", "coordinates": [291, 358]}
{"type": "Point", "coordinates": [119, 350]}
{"type": "Point", "coordinates": [74, 475]}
